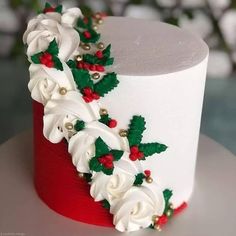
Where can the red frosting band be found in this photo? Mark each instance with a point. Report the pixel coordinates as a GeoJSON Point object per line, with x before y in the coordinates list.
{"type": "Point", "coordinates": [57, 182]}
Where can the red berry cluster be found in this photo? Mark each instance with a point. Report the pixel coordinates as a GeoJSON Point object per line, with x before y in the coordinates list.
{"type": "Point", "coordinates": [89, 95]}
{"type": "Point", "coordinates": [47, 60]}
{"type": "Point", "coordinates": [49, 9]}
{"type": "Point", "coordinates": [86, 66]}
{"type": "Point", "coordinates": [107, 161]}
{"type": "Point", "coordinates": [135, 154]}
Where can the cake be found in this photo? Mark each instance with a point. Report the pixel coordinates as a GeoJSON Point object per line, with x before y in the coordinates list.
{"type": "Point", "coordinates": [117, 109]}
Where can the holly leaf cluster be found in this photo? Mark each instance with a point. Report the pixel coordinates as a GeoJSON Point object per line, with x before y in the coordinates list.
{"type": "Point", "coordinates": [135, 135]}
{"type": "Point", "coordinates": [79, 125]}
{"type": "Point", "coordinates": [86, 24]}
{"type": "Point", "coordinates": [52, 51]}
{"type": "Point", "coordinates": [49, 8]}
{"type": "Point", "coordinates": [106, 60]}
{"type": "Point", "coordinates": [83, 79]}
{"type": "Point", "coordinates": [101, 150]}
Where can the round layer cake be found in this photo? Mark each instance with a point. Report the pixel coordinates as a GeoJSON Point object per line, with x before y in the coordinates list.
{"type": "Point", "coordinates": [133, 149]}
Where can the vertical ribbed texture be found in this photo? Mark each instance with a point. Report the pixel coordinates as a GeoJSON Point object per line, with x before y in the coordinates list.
{"type": "Point", "coordinates": [57, 182]}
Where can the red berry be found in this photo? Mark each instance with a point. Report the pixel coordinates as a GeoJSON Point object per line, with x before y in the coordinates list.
{"type": "Point", "coordinates": [80, 65]}
{"type": "Point", "coordinates": [112, 123]}
{"type": "Point", "coordinates": [95, 96]}
{"type": "Point", "coordinates": [43, 60]}
{"type": "Point", "coordinates": [133, 157]}
{"type": "Point", "coordinates": [109, 157]}
{"type": "Point", "coordinates": [49, 9]}
{"type": "Point", "coordinates": [147, 173]}
{"type": "Point", "coordinates": [87, 99]}
{"type": "Point", "coordinates": [48, 56]}
{"type": "Point", "coordinates": [86, 66]}
{"type": "Point", "coordinates": [87, 91]}
{"type": "Point", "coordinates": [100, 68]}
{"type": "Point", "coordinates": [86, 20]}
{"type": "Point", "coordinates": [87, 34]}
{"type": "Point", "coordinates": [99, 54]}
{"type": "Point", "coordinates": [134, 149]}
{"type": "Point", "coordinates": [109, 165]}
{"type": "Point", "coordinates": [49, 64]}
{"type": "Point", "coordinates": [162, 220]}
{"type": "Point", "coordinates": [92, 67]}
{"type": "Point", "coordinates": [140, 155]}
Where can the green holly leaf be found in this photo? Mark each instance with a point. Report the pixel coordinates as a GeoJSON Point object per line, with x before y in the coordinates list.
{"type": "Point", "coordinates": [47, 5]}
{"type": "Point", "coordinates": [79, 125]}
{"type": "Point", "coordinates": [107, 51]}
{"type": "Point", "coordinates": [83, 25]}
{"type": "Point", "coordinates": [136, 128]}
{"type": "Point", "coordinates": [108, 62]}
{"type": "Point", "coordinates": [104, 119]}
{"type": "Point", "coordinates": [58, 9]}
{"type": "Point", "coordinates": [139, 179]}
{"type": "Point", "coordinates": [82, 79]}
{"type": "Point", "coordinates": [93, 39]}
{"type": "Point", "coordinates": [95, 165]}
{"type": "Point", "coordinates": [101, 147]}
{"type": "Point", "coordinates": [106, 204]}
{"type": "Point", "coordinates": [91, 59]}
{"type": "Point", "coordinates": [149, 149]}
{"type": "Point", "coordinates": [71, 64]}
{"type": "Point", "coordinates": [107, 171]}
{"type": "Point", "coordinates": [106, 84]}
{"type": "Point", "coordinates": [53, 48]}
{"type": "Point", "coordinates": [35, 58]}
{"type": "Point", "coordinates": [117, 154]}
{"type": "Point", "coordinates": [57, 63]}
{"type": "Point", "coordinates": [167, 193]}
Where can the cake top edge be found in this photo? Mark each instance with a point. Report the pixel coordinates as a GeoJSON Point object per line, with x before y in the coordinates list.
{"type": "Point", "coordinates": [148, 48]}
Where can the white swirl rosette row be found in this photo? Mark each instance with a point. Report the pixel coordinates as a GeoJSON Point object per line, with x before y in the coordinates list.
{"type": "Point", "coordinates": [132, 207]}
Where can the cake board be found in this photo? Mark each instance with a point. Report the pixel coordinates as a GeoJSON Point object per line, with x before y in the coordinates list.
{"type": "Point", "coordinates": [211, 211]}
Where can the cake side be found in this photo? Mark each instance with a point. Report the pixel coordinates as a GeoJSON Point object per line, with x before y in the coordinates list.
{"type": "Point", "coordinates": [69, 77]}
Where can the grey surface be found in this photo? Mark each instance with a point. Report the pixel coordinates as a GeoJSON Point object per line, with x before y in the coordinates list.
{"type": "Point", "coordinates": [144, 47]}
{"type": "Point", "coordinates": [211, 212]}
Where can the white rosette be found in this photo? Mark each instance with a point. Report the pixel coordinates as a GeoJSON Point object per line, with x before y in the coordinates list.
{"type": "Point", "coordinates": [44, 81]}
{"type": "Point", "coordinates": [44, 28]}
{"type": "Point", "coordinates": [61, 109]}
{"type": "Point", "coordinates": [137, 207]}
{"type": "Point", "coordinates": [82, 144]}
{"type": "Point", "coordinates": [113, 187]}
{"type": "Point", "coordinates": [70, 16]}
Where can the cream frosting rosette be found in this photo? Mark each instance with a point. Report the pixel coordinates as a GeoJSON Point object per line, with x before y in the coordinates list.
{"type": "Point", "coordinates": [44, 28]}
{"type": "Point", "coordinates": [137, 206]}
{"type": "Point", "coordinates": [44, 81]}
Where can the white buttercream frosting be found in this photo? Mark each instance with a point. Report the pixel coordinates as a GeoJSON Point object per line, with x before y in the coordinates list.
{"type": "Point", "coordinates": [61, 109]}
{"type": "Point", "coordinates": [136, 207]}
{"type": "Point", "coordinates": [44, 28]}
{"type": "Point", "coordinates": [44, 81]}
{"type": "Point", "coordinates": [133, 207]}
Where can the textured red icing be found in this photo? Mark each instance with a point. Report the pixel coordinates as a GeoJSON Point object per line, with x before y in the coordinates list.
{"type": "Point", "coordinates": [57, 182]}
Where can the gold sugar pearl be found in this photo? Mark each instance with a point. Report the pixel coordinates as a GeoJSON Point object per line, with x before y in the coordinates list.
{"type": "Point", "coordinates": [155, 218]}
{"type": "Point", "coordinates": [171, 206]}
{"type": "Point", "coordinates": [99, 21]}
{"type": "Point", "coordinates": [81, 175]}
{"type": "Point", "coordinates": [95, 27]}
{"type": "Point", "coordinates": [169, 213]}
{"type": "Point", "coordinates": [69, 126]}
{"type": "Point", "coordinates": [79, 58]}
{"type": "Point", "coordinates": [86, 46]}
{"type": "Point", "coordinates": [123, 133]}
{"type": "Point", "coordinates": [62, 91]}
{"type": "Point", "coordinates": [149, 180]}
{"type": "Point", "coordinates": [97, 16]}
{"type": "Point", "coordinates": [157, 227]}
{"type": "Point", "coordinates": [95, 75]}
{"type": "Point", "coordinates": [100, 45]}
{"type": "Point", "coordinates": [103, 111]}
